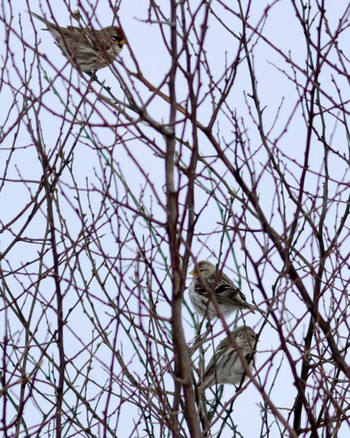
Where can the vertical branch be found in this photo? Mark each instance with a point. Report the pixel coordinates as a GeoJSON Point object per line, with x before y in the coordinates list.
{"type": "Point", "coordinates": [58, 293]}
{"type": "Point", "coordinates": [183, 377]}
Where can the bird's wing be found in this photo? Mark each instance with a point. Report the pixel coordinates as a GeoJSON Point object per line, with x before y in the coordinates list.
{"type": "Point", "coordinates": [227, 293]}
{"type": "Point", "coordinates": [225, 290]}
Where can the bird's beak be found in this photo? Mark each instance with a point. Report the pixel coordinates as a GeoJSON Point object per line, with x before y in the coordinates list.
{"type": "Point", "coordinates": [123, 42]}
{"type": "Point", "coordinates": [194, 273]}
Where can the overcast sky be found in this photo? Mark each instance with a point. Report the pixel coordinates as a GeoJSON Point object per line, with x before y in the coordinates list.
{"type": "Point", "coordinates": [88, 189]}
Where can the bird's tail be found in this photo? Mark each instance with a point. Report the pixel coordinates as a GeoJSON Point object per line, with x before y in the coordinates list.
{"type": "Point", "coordinates": [48, 23]}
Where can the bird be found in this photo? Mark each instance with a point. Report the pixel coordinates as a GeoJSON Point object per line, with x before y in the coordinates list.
{"type": "Point", "coordinates": [209, 282]}
{"type": "Point", "coordinates": [87, 49]}
{"type": "Point", "coordinates": [226, 366]}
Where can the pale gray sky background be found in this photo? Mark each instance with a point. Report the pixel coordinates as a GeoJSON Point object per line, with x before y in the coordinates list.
{"type": "Point", "coordinates": [144, 173]}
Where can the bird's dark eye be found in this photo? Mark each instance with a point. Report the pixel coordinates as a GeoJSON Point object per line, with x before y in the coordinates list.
{"type": "Point", "coordinates": [116, 38]}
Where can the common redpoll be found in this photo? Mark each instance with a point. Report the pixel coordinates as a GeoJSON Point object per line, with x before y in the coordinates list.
{"type": "Point", "coordinates": [226, 366]}
{"type": "Point", "coordinates": [87, 49]}
{"type": "Point", "coordinates": [209, 282]}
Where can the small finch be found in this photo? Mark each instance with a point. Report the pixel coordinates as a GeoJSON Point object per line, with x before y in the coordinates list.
{"type": "Point", "coordinates": [209, 281]}
{"type": "Point", "coordinates": [226, 366]}
{"type": "Point", "coordinates": [87, 49]}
